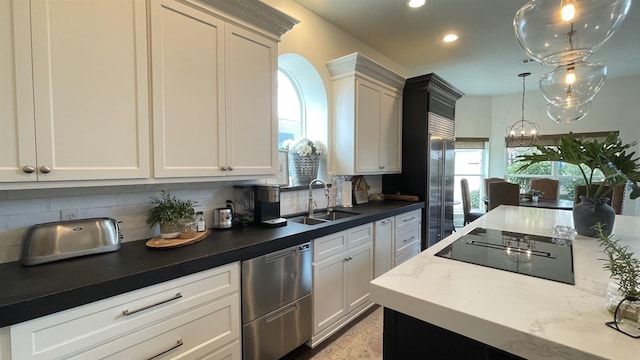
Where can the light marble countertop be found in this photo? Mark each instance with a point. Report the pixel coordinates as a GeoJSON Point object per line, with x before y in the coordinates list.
{"type": "Point", "coordinates": [527, 316]}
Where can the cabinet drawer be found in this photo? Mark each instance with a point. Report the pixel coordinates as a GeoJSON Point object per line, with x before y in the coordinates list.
{"type": "Point", "coordinates": [407, 253]}
{"type": "Point", "coordinates": [329, 245]}
{"type": "Point", "coordinates": [197, 333]}
{"type": "Point", "coordinates": [104, 321]}
{"type": "Point", "coordinates": [407, 239]}
{"type": "Point", "coordinates": [407, 220]}
{"type": "Point", "coordinates": [360, 235]}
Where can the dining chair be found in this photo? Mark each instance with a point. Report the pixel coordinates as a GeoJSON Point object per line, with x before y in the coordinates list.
{"type": "Point", "coordinates": [548, 186]}
{"type": "Point", "coordinates": [466, 203]}
{"type": "Point", "coordinates": [489, 181]}
{"type": "Point", "coordinates": [616, 198]}
{"type": "Point", "coordinates": [503, 193]}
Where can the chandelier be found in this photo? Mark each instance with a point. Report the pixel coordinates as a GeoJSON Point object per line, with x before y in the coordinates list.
{"type": "Point", "coordinates": [522, 133]}
{"type": "Point", "coordinates": [563, 33]}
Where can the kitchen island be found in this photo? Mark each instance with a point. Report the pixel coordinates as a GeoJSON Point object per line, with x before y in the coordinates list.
{"type": "Point", "coordinates": [510, 314]}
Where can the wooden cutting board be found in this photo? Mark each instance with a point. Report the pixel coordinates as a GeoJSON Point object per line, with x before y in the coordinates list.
{"type": "Point", "coordinates": [401, 197]}
{"type": "Point", "coordinates": [160, 243]}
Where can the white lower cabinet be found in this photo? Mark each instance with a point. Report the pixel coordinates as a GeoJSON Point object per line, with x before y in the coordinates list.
{"type": "Point", "coordinates": [196, 316]}
{"type": "Point", "coordinates": [383, 253]}
{"type": "Point", "coordinates": [407, 236]}
{"type": "Point", "coordinates": [342, 270]}
{"type": "Point", "coordinates": [397, 239]}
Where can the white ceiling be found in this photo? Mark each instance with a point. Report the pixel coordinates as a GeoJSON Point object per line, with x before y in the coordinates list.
{"type": "Point", "coordinates": [485, 60]}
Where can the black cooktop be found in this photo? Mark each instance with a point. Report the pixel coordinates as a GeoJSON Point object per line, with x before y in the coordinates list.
{"type": "Point", "coordinates": [533, 255]}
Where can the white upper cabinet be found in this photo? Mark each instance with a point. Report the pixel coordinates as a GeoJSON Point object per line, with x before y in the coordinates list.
{"type": "Point", "coordinates": [88, 67]}
{"type": "Point", "coordinates": [17, 134]}
{"type": "Point", "coordinates": [367, 117]}
{"type": "Point", "coordinates": [214, 91]}
{"type": "Point", "coordinates": [75, 100]}
{"type": "Point", "coordinates": [188, 91]}
{"type": "Point", "coordinates": [252, 122]}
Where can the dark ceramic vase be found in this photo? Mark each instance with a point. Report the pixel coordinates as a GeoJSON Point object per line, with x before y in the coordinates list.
{"type": "Point", "coordinates": [589, 212]}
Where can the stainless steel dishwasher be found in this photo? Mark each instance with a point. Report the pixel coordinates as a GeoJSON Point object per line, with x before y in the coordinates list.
{"type": "Point", "coordinates": [276, 302]}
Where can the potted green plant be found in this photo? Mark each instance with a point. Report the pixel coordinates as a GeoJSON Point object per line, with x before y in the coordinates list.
{"type": "Point", "coordinates": [534, 194]}
{"type": "Point", "coordinates": [623, 294]}
{"type": "Point", "coordinates": [611, 158]}
{"type": "Point", "coordinates": [167, 211]}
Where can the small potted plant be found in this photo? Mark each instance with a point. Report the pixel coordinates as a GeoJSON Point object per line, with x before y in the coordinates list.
{"type": "Point", "coordinates": [623, 294]}
{"type": "Point", "coordinates": [167, 211]}
{"type": "Point", "coordinates": [534, 194]}
{"type": "Point", "coordinates": [304, 158]}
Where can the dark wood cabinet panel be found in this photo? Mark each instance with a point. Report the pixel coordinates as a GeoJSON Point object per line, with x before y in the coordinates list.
{"type": "Point", "coordinates": [406, 337]}
{"type": "Point", "coordinates": [422, 96]}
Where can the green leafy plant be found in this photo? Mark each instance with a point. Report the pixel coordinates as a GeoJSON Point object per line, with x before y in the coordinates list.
{"type": "Point", "coordinates": [534, 192]}
{"type": "Point", "coordinates": [609, 156]}
{"type": "Point", "coordinates": [168, 209]}
{"type": "Point", "coordinates": [624, 268]}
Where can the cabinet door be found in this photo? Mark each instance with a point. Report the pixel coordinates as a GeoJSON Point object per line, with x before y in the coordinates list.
{"type": "Point", "coordinates": [251, 63]}
{"type": "Point", "coordinates": [383, 247]}
{"type": "Point", "coordinates": [17, 137]}
{"type": "Point", "coordinates": [390, 132]}
{"type": "Point", "coordinates": [367, 141]}
{"type": "Point", "coordinates": [90, 89]}
{"type": "Point", "coordinates": [188, 91]}
{"type": "Point", "coordinates": [359, 274]}
{"type": "Point", "coordinates": [329, 289]}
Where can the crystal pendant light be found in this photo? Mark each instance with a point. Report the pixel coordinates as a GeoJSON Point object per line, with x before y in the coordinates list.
{"type": "Point", "coordinates": [556, 32]}
{"type": "Point", "coordinates": [573, 84]}
{"type": "Point", "coordinates": [522, 133]}
{"type": "Point", "coordinates": [568, 113]}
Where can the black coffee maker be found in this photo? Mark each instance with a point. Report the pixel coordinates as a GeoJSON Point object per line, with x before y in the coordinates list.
{"type": "Point", "coordinates": [267, 206]}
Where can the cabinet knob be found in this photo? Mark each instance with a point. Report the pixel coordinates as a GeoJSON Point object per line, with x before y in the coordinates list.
{"type": "Point", "coordinates": [45, 169]}
{"type": "Point", "coordinates": [28, 169]}
{"type": "Point", "coordinates": [381, 167]}
{"type": "Point", "coordinates": [230, 168]}
{"type": "Point", "coordinates": [223, 168]}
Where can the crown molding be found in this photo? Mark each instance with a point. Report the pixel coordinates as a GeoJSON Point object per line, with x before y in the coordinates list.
{"type": "Point", "coordinates": [359, 63]}
{"type": "Point", "coordinates": [256, 13]}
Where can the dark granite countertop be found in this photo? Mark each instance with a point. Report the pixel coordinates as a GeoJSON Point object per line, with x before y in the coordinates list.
{"type": "Point", "coordinates": [31, 292]}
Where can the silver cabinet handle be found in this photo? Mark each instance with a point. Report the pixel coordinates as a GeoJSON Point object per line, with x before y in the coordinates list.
{"type": "Point", "coordinates": [385, 221]}
{"type": "Point", "coordinates": [178, 344]}
{"type": "Point", "coordinates": [410, 219]}
{"type": "Point", "coordinates": [381, 167]}
{"type": "Point", "coordinates": [28, 169]}
{"type": "Point", "coordinates": [230, 168]}
{"type": "Point", "coordinates": [45, 169]}
{"type": "Point", "coordinates": [223, 168]}
{"type": "Point", "coordinates": [127, 312]}
{"type": "Point", "coordinates": [409, 239]}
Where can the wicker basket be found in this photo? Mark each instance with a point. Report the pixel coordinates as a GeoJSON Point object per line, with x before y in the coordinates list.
{"type": "Point", "coordinates": [303, 169]}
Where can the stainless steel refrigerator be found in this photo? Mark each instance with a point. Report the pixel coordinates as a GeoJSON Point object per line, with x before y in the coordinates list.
{"type": "Point", "coordinates": [440, 167]}
{"type": "Point", "coordinates": [428, 114]}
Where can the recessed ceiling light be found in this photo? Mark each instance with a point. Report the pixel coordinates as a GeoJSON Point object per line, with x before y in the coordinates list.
{"type": "Point", "coordinates": [450, 38]}
{"type": "Point", "coordinates": [416, 3]}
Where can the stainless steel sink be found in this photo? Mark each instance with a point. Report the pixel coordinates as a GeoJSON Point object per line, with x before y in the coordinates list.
{"type": "Point", "coordinates": [323, 217]}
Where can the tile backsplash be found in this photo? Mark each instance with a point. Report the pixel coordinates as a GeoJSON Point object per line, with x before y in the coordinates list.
{"type": "Point", "coordinates": [128, 204]}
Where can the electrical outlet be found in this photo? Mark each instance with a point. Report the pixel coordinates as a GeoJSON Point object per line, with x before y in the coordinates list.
{"type": "Point", "coordinates": [69, 214]}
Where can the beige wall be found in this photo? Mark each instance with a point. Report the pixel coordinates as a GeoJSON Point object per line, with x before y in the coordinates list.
{"type": "Point", "coordinates": [616, 107]}
{"type": "Point", "coordinates": [320, 41]}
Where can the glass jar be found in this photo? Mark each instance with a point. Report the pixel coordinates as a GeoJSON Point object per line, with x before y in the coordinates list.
{"type": "Point", "coordinates": [188, 226]}
{"type": "Point", "coordinates": [200, 223]}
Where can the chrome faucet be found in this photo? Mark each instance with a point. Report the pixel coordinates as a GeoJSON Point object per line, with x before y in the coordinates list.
{"type": "Point", "coordinates": [326, 193]}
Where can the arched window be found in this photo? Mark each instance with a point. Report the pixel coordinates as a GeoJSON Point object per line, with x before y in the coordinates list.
{"type": "Point", "coordinates": [302, 104]}
{"type": "Point", "coordinates": [290, 110]}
